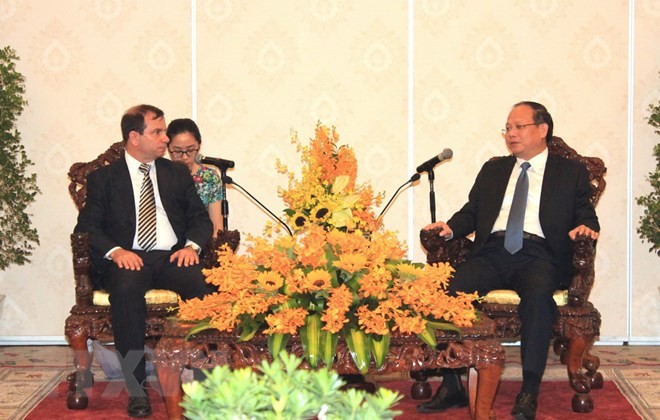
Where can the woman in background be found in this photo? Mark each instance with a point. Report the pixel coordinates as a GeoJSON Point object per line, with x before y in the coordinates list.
{"type": "Point", "coordinates": [185, 142]}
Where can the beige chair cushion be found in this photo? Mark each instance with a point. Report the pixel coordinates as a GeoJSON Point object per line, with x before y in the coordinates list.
{"type": "Point", "coordinates": [509, 297]}
{"type": "Point", "coordinates": [154, 296]}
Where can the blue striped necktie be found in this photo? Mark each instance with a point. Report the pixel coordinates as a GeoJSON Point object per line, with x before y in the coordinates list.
{"type": "Point", "coordinates": [513, 238]}
{"type": "Point", "coordinates": [147, 212]}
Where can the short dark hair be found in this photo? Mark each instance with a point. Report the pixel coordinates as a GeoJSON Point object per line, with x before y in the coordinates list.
{"type": "Point", "coordinates": [541, 115]}
{"type": "Point", "coordinates": [184, 125]}
{"type": "Point", "coordinates": [133, 119]}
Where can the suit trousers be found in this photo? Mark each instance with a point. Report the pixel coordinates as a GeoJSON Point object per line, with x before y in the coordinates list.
{"type": "Point", "coordinates": [129, 309]}
{"type": "Point", "coordinates": [532, 275]}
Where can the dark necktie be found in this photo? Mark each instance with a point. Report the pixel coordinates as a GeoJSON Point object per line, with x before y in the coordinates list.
{"type": "Point", "coordinates": [147, 212]}
{"type": "Point", "coordinates": [513, 239]}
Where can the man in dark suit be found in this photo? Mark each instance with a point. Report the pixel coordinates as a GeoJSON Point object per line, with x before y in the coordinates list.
{"type": "Point", "coordinates": [139, 246]}
{"type": "Point", "coordinates": [555, 209]}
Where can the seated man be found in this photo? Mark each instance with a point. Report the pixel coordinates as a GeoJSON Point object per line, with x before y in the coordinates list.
{"type": "Point", "coordinates": [524, 210]}
{"type": "Point", "coordinates": [146, 225]}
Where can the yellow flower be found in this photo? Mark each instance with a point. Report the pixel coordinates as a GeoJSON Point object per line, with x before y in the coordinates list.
{"type": "Point", "coordinates": [318, 280]}
{"type": "Point", "coordinates": [319, 214]}
{"type": "Point", "coordinates": [299, 220]}
{"type": "Point", "coordinates": [270, 280]}
{"type": "Point", "coordinates": [351, 263]}
{"type": "Point", "coordinates": [373, 322]}
{"type": "Point", "coordinates": [409, 271]}
{"type": "Point", "coordinates": [376, 283]}
{"type": "Point", "coordinates": [340, 183]}
{"type": "Point", "coordinates": [342, 218]}
{"type": "Point", "coordinates": [286, 321]}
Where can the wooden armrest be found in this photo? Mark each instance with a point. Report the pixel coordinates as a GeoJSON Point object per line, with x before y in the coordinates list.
{"type": "Point", "coordinates": [82, 269]}
{"type": "Point", "coordinates": [584, 254]}
{"type": "Point", "coordinates": [229, 237]}
{"type": "Point", "coordinates": [438, 249]}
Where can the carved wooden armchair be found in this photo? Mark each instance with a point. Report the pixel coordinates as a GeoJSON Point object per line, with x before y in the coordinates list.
{"type": "Point", "coordinates": [90, 316]}
{"type": "Point", "coordinates": [578, 322]}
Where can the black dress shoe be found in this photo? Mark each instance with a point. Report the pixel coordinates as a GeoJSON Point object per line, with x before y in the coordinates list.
{"type": "Point", "coordinates": [525, 408]}
{"type": "Point", "coordinates": [443, 399]}
{"type": "Point", "coordinates": [139, 406]}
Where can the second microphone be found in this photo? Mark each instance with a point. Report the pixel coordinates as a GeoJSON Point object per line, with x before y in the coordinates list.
{"type": "Point", "coordinates": [220, 163]}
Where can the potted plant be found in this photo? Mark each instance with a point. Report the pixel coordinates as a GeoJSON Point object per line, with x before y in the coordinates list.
{"type": "Point", "coordinates": [280, 390]}
{"type": "Point", "coordinates": [17, 187]}
{"type": "Point", "coordinates": [649, 223]}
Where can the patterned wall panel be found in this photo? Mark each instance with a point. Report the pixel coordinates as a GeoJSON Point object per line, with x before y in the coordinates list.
{"type": "Point", "coordinates": [84, 63]}
{"type": "Point", "coordinates": [473, 63]}
{"type": "Point", "coordinates": [645, 288]}
{"type": "Point", "coordinates": [265, 68]}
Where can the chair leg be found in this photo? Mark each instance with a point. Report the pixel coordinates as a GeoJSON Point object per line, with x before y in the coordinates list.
{"type": "Point", "coordinates": [591, 364]}
{"type": "Point", "coordinates": [421, 389]}
{"type": "Point", "coordinates": [82, 377]}
{"type": "Point", "coordinates": [581, 383]}
{"type": "Point", "coordinates": [560, 348]}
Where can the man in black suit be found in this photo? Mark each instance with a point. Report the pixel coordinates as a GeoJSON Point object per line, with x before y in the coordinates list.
{"type": "Point", "coordinates": [179, 227]}
{"type": "Point", "coordinates": [557, 209]}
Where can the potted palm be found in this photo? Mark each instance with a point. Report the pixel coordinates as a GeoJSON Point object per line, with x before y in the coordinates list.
{"type": "Point", "coordinates": [649, 223]}
{"type": "Point", "coordinates": [18, 188]}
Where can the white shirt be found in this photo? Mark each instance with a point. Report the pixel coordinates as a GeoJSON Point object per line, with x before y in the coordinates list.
{"type": "Point", "coordinates": [535, 175]}
{"type": "Point", "coordinates": [165, 236]}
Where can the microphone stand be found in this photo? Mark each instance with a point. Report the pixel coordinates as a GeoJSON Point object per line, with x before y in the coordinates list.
{"type": "Point", "coordinates": [412, 179]}
{"type": "Point", "coordinates": [224, 203]}
{"type": "Point", "coordinates": [228, 180]}
{"type": "Point", "coordinates": [431, 194]}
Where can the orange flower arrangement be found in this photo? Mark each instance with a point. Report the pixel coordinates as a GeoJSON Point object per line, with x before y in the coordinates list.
{"type": "Point", "coordinates": [340, 274]}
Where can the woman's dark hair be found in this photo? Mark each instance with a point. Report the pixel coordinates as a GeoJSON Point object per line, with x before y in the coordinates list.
{"type": "Point", "coordinates": [184, 125]}
{"type": "Point", "coordinates": [541, 115]}
{"type": "Point", "coordinates": [133, 119]}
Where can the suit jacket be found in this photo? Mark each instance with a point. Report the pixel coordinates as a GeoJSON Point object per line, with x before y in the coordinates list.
{"type": "Point", "coordinates": [109, 212]}
{"type": "Point", "coordinates": [564, 204]}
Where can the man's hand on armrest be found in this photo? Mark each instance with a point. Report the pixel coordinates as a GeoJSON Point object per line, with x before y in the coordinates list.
{"type": "Point", "coordinates": [444, 232]}
{"type": "Point", "coordinates": [582, 230]}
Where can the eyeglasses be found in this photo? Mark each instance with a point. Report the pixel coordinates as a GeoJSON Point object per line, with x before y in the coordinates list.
{"type": "Point", "coordinates": [180, 153]}
{"type": "Point", "coordinates": [518, 127]}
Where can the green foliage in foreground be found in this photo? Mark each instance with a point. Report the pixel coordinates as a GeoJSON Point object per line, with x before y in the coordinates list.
{"type": "Point", "coordinates": [279, 390]}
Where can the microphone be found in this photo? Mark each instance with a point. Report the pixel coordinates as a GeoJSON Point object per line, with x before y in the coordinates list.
{"type": "Point", "coordinates": [220, 163]}
{"type": "Point", "coordinates": [430, 164]}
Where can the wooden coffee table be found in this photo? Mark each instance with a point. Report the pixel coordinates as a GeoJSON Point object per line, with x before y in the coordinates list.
{"type": "Point", "coordinates": [477, 348]}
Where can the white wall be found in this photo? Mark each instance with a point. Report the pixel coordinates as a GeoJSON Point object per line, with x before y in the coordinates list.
{"type": "Point", "coordinates": [401, 80]}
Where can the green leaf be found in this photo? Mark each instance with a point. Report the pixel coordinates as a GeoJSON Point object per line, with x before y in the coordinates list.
{"type": "Point", "coordinates": [445, 326]}
{"type": "Point", "coordinates": [359, 344]}
{"type": "Point", "coordinates": [428, 336]}
{"type": "Point", "coordinates": [328, 347]}
{"type": "Point", "coordinates": [379, 348]}
{"type": "Point", "coordinates": [277, 343]}
{"type": "Point", "coordinates": [203, 325]}
{"type": "Point", "coordinates": [310, 338]}
{"type": "Point", "coordinates": [249, 328]}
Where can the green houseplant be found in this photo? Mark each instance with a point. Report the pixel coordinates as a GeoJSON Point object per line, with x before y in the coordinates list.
{"type": "Point", "coordinates": [279, 390]}
{"type": "Point", "coordinates": [649, 223]}
{"type": "Point", "coordinates": [17, 187]}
